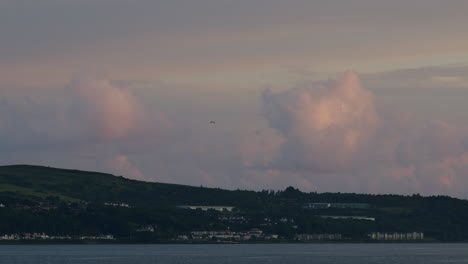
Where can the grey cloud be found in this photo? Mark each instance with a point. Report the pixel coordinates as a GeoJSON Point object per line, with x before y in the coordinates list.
{"type": "Point", "coordinates": [435, 92]}
{"type": "Point", "coordinates": [441, 79]}
{"type": "Point", "coordinates": [48, 27]}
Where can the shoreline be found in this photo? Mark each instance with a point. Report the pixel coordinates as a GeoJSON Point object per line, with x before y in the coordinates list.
{"type": "Point", "coordinates": [222, 243]}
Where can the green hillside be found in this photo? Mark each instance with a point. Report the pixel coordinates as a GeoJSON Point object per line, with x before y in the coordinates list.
{"type": "Point", "coordinates": [76, 203]}
{"type": "Point", "coordinates": [75, 185]}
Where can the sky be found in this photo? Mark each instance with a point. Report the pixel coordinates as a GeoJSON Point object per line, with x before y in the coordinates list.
{"type": "Point", "coordinates": [360, 96]}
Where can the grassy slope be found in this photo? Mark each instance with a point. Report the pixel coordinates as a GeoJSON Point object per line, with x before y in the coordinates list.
{"type": "Point", "coordinates": [75, 185]}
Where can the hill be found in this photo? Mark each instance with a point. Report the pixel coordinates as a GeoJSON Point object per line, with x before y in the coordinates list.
{"type": "Point", "coordinates": [72, 203]}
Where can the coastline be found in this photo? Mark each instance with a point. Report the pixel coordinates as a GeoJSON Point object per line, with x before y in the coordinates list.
{"type": "Point", "coordinates": [169, 242]}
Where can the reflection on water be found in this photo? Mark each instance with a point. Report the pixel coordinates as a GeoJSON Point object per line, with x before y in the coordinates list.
{"type": "Point", "coordinates": [239, 254]}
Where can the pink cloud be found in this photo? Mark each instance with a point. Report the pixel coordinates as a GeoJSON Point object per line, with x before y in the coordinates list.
{"type": "Point", "coordinates": [81, 126]}
{"type": "Point", "coordinates": [326, 125]}
{"type": "Point", "coordinates": [112, 111]}
{"type": "Point", "coordinates": [334, 134]}
{"type": "Point", "coordinates": [108, 112]}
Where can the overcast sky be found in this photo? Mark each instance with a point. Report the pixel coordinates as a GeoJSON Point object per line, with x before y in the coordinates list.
{"type": "Point", "coordinates": [337, 95]}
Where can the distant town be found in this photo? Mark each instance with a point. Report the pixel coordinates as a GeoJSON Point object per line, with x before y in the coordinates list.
{"type": "Point", "coordinates": [46, 237]}
{"type": "Point", "coordinates": [227, 236]}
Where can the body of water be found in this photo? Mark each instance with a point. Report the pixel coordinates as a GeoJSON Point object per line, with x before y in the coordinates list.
{"type": "Point", "coordinates": [239, 254]}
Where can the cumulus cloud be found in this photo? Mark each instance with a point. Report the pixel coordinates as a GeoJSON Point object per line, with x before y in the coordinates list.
{"type": "Point", "coordinates": [327, 125]}
{"type": "Point", "coordinates": [333, 131]}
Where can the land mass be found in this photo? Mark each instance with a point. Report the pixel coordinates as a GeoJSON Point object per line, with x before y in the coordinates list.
{"type": "Point", "coordinates": [40, 204]}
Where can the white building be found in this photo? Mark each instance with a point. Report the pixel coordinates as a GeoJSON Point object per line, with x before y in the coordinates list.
{"type": "Point", "coordinates": [397, 236]}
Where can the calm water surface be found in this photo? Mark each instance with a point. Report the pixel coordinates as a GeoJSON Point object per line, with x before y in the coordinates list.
{"type": "Point", "coordinates": [242, 254]}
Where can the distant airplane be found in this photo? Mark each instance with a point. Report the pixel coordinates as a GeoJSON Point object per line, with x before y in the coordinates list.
{"type": "Point", "coordinates": [212, 122]}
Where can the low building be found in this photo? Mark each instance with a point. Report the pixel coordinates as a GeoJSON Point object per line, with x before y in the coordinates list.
{"type": "Point", "coordinates": [182, 238]}
{"type": "Point", "coordinates": [118, 205]}
{"type": "Point", "coordinates": [227, 235]}
{"type": "Point", "coordinates": [206, 208]}
{"type": "Point", "coordinates": [99, 237]}
{"type": "Point", "coordinates": [209, 235]}
{"type": "Point", "coordinates": [397, 236]}
{"type": "Point", "coordinates": [234, 219]}
{"type": "Point", "coordinates": [336, 205]}
{"type": "Point", "coordinates": [10, 237]}
{"type": "Point", "coordinates": [350, 217]}
{"type": "Point", "coordinates": [256, 232]}
{"type": "Point", "coordinates": [269, 237]}
{"type": "Point", "coordinates": [147, 228]}
{"type": "Point", "coordinates": [312, 237]}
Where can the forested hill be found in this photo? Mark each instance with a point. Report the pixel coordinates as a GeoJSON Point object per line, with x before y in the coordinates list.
{"type": "Point", "coordinates": [72, 202]}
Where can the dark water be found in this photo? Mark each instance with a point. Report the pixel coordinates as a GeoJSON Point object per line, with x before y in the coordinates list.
{"type": "Point", "coordinates": [241, 254]}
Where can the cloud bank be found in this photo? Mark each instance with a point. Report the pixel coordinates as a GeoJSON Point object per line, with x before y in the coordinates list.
{"type": "Point", "coordinates": [329, 135]}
